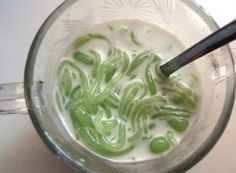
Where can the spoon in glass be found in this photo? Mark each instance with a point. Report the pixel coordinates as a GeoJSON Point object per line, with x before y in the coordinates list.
{"type": "Point", "coordinates": [208, 44]}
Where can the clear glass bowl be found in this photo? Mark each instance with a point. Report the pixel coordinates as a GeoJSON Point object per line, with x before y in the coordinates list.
{"type": "Point", "coordinates": [188, 21]}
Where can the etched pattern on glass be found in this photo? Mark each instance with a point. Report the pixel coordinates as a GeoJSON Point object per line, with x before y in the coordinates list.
{"type": "Point", "coordinates": [123, 8]}
{"type": "Point", "coordinates": [165, 6]}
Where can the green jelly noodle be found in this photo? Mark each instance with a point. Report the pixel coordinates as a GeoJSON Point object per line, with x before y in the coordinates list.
{"type": "Point", "coordinates": [178, 124]}
{"type": "Point", "coordinates": [159, 145]}
{"type": "Point", "coordinates": [112, 117]}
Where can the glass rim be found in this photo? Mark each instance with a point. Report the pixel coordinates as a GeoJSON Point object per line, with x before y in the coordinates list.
{"type": "Point", "coordinates": [183, 166]}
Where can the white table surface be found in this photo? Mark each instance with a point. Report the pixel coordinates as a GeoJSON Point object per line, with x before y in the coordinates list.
{"type": "Point", "coordinates": [21, 149]}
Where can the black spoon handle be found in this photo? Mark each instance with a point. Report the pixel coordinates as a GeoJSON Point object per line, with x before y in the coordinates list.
{"type": "Point", "coordinates": [210, 43]}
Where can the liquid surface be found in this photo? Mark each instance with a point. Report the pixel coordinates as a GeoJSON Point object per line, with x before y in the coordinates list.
{"type": "Point", "coordinates": [111, 99]}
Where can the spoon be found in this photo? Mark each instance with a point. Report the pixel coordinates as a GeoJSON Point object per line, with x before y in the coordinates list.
{"type": "Point", "coordinates": [210, 43]}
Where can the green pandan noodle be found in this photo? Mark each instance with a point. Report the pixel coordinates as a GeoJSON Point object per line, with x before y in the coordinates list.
{"type": "Point", "coordinates": [112, 106]}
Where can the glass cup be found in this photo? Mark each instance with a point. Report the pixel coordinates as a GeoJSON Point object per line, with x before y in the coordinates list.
{"type": "Point", "coordinates": [185, 18]}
